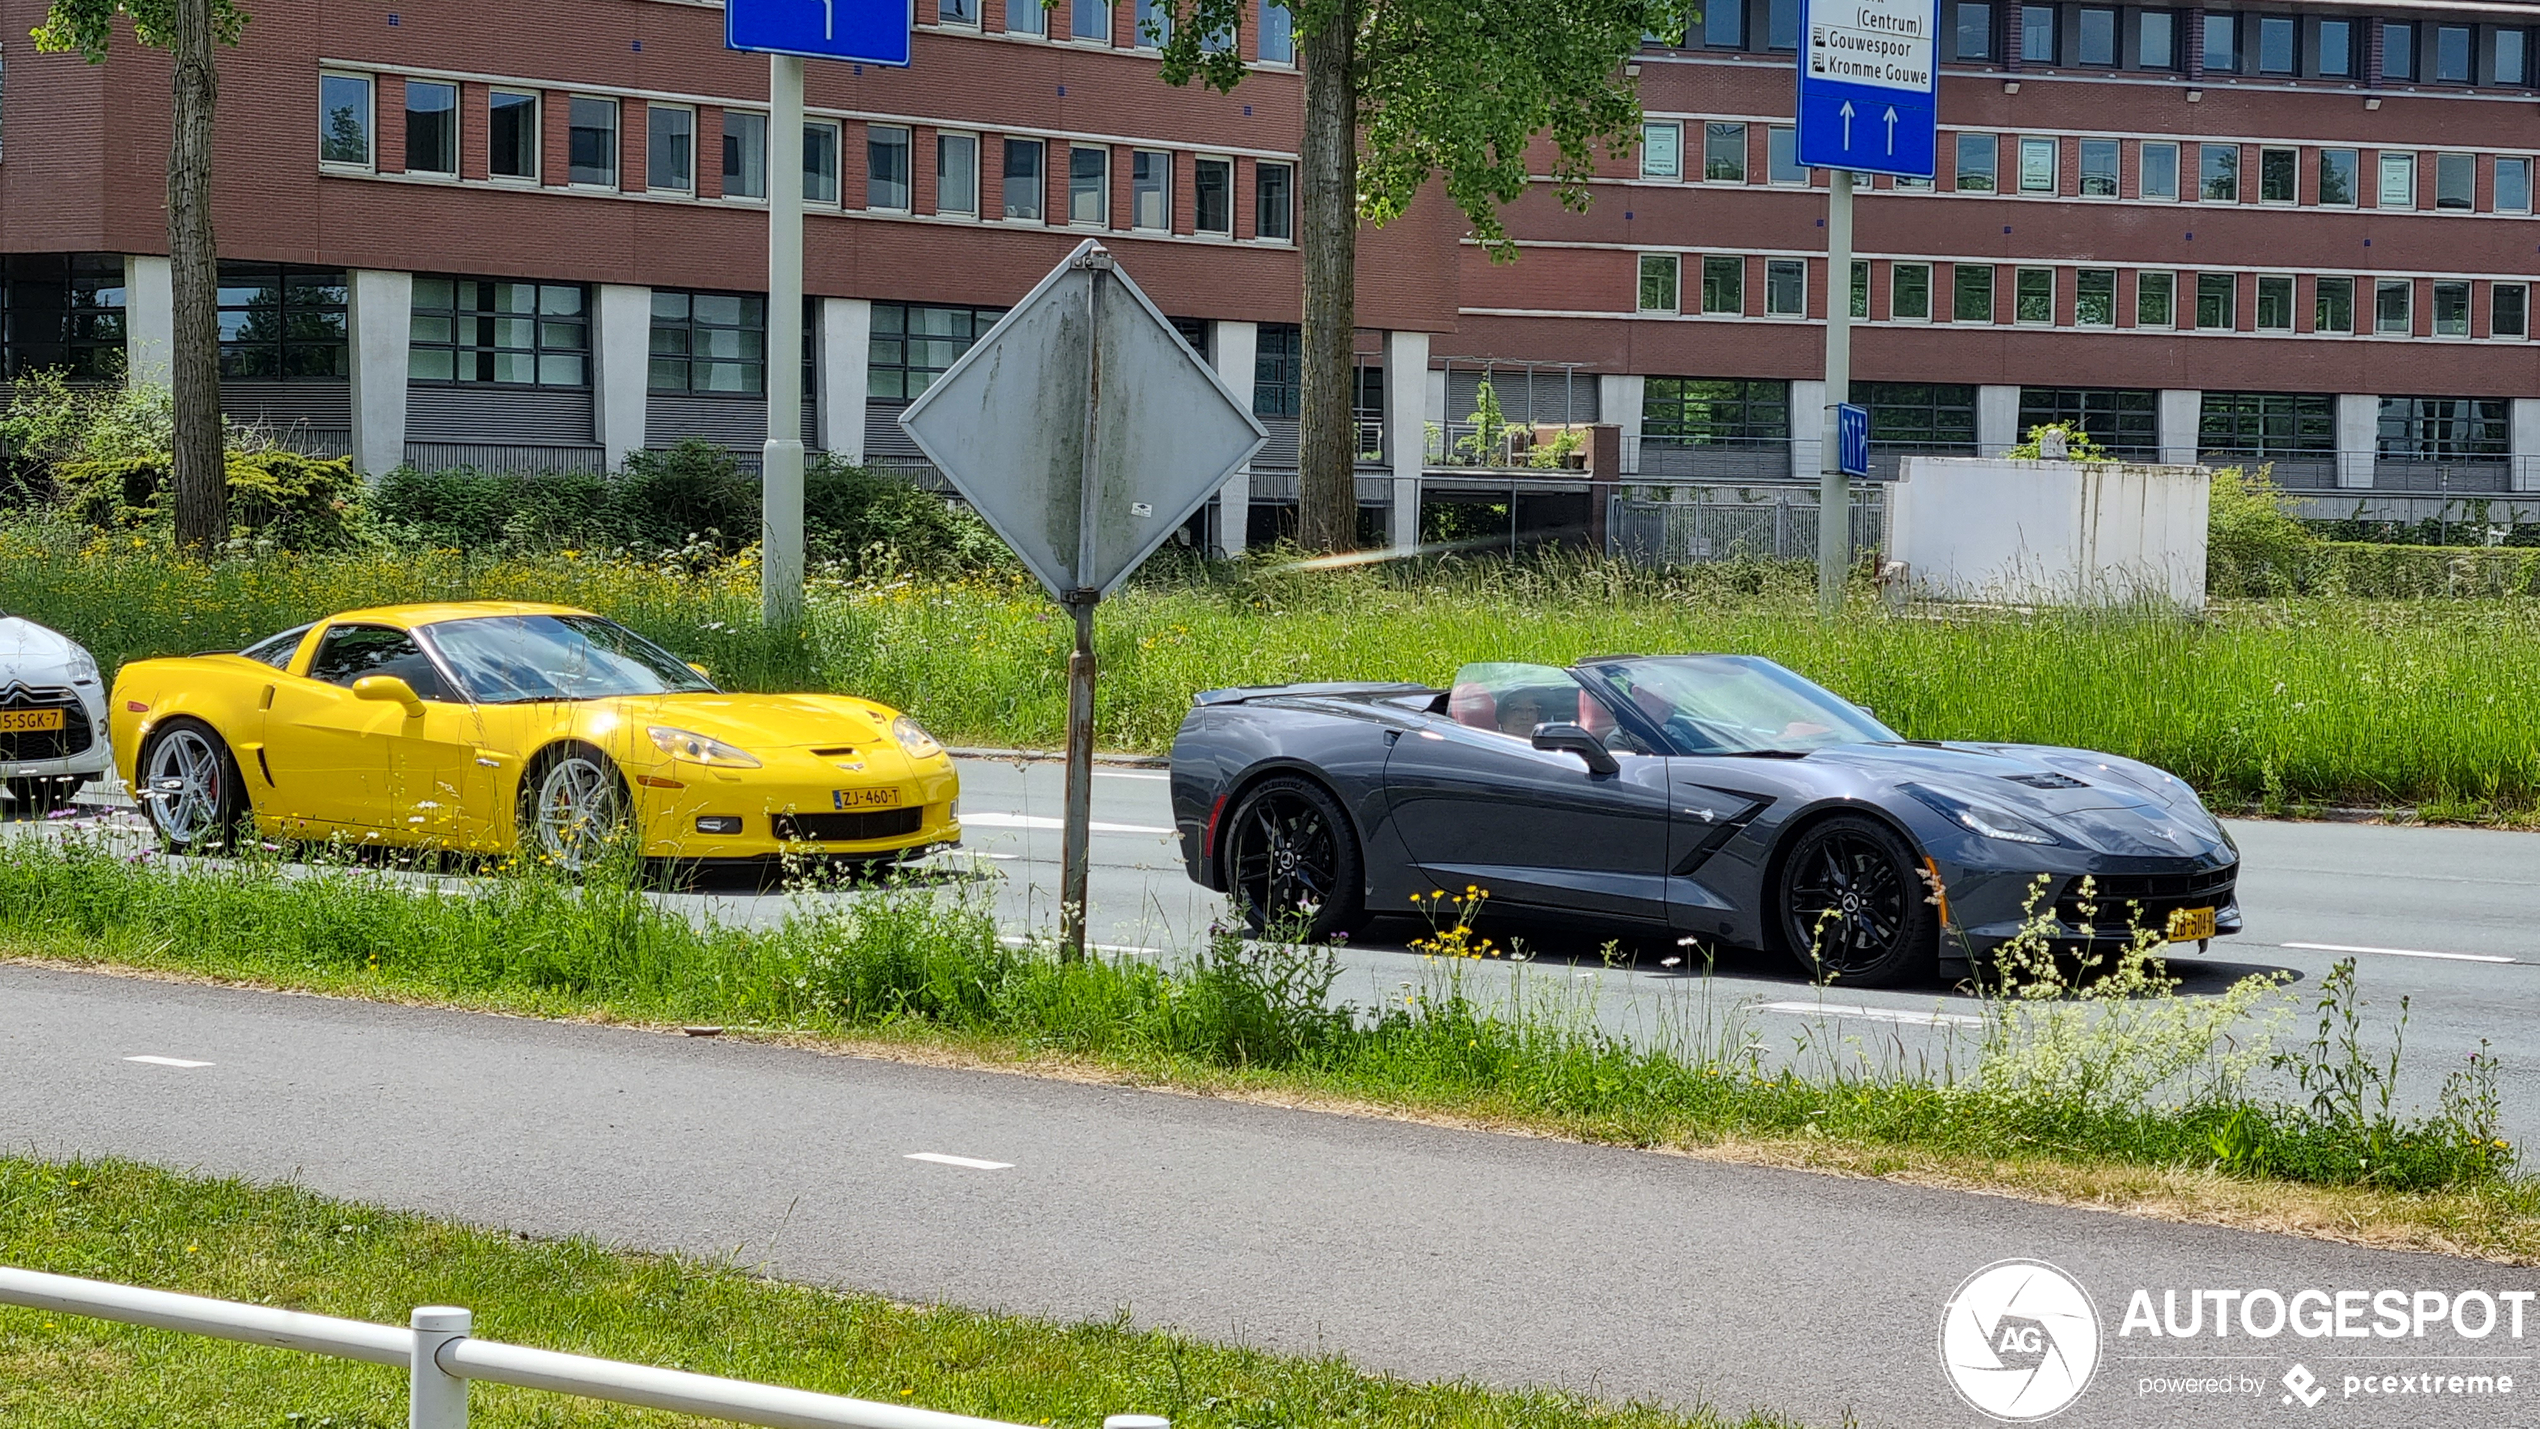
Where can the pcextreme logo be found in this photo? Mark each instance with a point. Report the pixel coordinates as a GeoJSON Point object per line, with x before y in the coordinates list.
{"type": "Point", "coordinates": [2019, 1340]}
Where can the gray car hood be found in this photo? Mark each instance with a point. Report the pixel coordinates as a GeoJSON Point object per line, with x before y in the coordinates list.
{"type": "Point", "coordinates": [2112, 805]}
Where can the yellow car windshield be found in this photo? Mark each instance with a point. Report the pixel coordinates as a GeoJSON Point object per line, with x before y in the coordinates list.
{"type": "Point", "coordinates": [515, 659]}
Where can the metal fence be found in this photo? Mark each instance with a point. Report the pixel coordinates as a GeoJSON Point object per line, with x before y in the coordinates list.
{"type": "Point", "coordinates": [1671, 525]}
{"type": "Point", "coordinates": [441, 1357]}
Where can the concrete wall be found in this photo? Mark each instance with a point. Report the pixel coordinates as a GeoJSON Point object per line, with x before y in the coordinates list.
{"type": "Point", "coordinates": [2050, 533]}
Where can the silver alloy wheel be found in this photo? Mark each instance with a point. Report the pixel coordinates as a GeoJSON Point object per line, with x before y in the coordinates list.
{"type": "Point", "coordinates": [182, 786]}
{"type": "Point", "coordinates": [579, 810]}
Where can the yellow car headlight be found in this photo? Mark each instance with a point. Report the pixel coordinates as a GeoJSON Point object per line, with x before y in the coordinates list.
{"type": "Point", "coordinates": [914, 739]}
{"type": "Point", "coordinates": [698, 749]}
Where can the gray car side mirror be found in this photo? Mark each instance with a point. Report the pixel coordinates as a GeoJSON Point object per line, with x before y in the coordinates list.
{"type": "Point", "coordinates": [1572, 739]}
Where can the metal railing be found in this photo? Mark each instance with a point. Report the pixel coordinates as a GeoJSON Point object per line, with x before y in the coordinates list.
{"type": "Point", "coordinates": [441, 1356]}
{"type": "Point", "coordinates": [1657, 524]}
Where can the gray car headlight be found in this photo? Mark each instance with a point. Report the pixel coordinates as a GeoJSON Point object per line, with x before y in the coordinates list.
{"type": "Point", "coordinates": [1990, 820]}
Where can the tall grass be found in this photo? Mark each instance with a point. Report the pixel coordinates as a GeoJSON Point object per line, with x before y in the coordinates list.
{"type": "Point", "coordinates": [2312, 700]}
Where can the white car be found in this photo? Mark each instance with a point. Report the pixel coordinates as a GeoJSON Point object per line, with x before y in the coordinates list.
{"type": "Point", "coordinates": [52, 718]}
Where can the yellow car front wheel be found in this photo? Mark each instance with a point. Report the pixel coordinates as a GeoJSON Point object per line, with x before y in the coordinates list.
{"type": "Point", "coordinates": [574, 809]}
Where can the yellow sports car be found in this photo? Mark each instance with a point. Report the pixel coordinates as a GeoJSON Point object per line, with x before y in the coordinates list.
{"type": "Point", "coordinates": [503, 727]}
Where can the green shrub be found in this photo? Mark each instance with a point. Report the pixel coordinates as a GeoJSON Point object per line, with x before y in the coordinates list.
{"type": "Point", "coordinates": [467, 509]}
{"type": "Point", "coordinates": [866, 519]}
{"type": "Point", "coordinates": [2254, 543]}
{"type": "Point", "coordinates": [2375, 571]}
{"type": "Point", "coordinates": [277, 498]}
{"type": "Point", "coordinates": [692, 490]}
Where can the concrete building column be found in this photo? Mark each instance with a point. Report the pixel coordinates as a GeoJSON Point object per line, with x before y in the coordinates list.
{"type": "Point", "coordinates": [1807, 421]}
{"type": "Point", "coordinates": [846, 367]}
{"type": "Point", "coordinates": [1618, 403]}
{"type": "Point", "coordinates": [621, 349]}
{"type": "Point", "coordinates": [1406, 430]}
{"type": "Point", "coordinates": [2526, 444]}
{"type": "Point", "coordinates": [1235, 346]}
{"type": "Point", "coordinates": [2182, 422]}
{"type": "Point", "coordinates": [149, 317]}
{"type": "Point", "coordinates": [1997, 420]}
{"type": "Point", "coordinates": [2358, 438]}
{"type": "Point", "coordinates": [379, 317]}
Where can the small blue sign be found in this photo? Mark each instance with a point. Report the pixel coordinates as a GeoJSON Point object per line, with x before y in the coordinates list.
{"type": "Point", "coordinates": [1852, 439]}
{"type": "Point", "coordinates": [1869, 85]}
{"type": "Point", "coordinates": [876, 32]}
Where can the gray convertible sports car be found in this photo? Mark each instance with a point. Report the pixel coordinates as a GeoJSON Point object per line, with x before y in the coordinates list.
{"type": "Point", "coordinates": [1720, 796]}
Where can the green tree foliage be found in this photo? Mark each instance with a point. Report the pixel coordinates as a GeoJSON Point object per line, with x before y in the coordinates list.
{"type": "Point", "coordinates": [85, 26]}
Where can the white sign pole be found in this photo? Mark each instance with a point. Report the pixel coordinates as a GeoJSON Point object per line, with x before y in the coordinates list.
{"type": "Point", "coordinates": [1834, 517]}
{"type": "Point", "coordinates": [780, 577]}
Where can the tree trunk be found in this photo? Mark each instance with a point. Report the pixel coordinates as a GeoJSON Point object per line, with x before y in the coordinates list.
{"type": "Point", "coordinates": [1327, 442]}
{"type": "Point", "coordinates": [202, 494]}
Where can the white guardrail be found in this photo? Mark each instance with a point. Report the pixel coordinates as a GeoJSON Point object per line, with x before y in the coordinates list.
{"type": "Point", "coordinates": [441, 1356]}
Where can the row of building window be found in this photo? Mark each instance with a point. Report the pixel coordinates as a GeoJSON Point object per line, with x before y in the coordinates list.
{"type": "Point", "coordinates": [1090, 22]}
{"type": "Point", "coordinates": [2196, 43]}
{"type": "Point", "coordinates": [2094, 297]}
{"type": "Point", "coordinates": [1018, 188]}
{"type": "Point", "coordinates": [2161, 170]}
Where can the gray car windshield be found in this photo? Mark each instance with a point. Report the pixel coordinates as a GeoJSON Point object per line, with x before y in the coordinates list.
{"type": "Point", "coordinates": [514, 659]}
{"type": "Point", "coordinates": [1737, 704]}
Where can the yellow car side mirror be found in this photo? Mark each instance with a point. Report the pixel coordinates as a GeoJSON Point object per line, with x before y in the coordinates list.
{"type": "Point", "coordinates": [700, 669]}
{"type": "Point", "coordinates": [388, 689]}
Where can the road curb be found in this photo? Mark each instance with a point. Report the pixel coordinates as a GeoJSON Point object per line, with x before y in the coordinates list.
{"type": "Point", "coordinates": [1033, 756]}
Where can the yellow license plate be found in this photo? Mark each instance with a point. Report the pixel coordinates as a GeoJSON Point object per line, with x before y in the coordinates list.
{"type": "Point", "coordinates": [27, 721]}
{"type": "Point", "coordinates": [864, 798]}
{"type": "Point", "coordinates": [2188, 925]}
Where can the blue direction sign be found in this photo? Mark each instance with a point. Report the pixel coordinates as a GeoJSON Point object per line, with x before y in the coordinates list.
{"type": "Point", "coordinates": [1869, 85]}
{"type": "Point", "coordinates": [874, 32]}
{"type": "Point", "coordinates": [1852, 439]}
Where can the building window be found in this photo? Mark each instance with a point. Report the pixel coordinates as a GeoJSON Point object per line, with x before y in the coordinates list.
{"type": "Point", "coordinates": [1151, 191]}
{"type": "Point", "coordinates": [2392, 307]}
{"type": "Point", "coordinates": [344, 120]}
{"type": "Point", "coordinates": [512, 135]}
{"type": "Point", "coordinates": [2037, 34]}
{"type": "Point", "coordinates": [1152, 25]}
{"type": "Point", "coordinates": [1860, 290]}
{"type": "Point", "coordinates": [2155, 299]}
{"type": "Point", "coordinates": [912, 345]}
{"type": "Point", "coordinates": [2337, 49]}
{"type": "Point", "coordinates": [886, 168]}
{"type": "Point", "coordinates": [1023, 179]}
{"type": "Point", "coordinates": [2398, 179]}
{"type": "Point", "coordinates": [2268, 424]}
{"type": "Point", "coordinates": [1661, 151]}
{"type": "Point", "coordinates": [1026, 17]}
{"type": "Point", "coordinates": [1274, 202]}
{"type": "Point", "coordinates": [1781, 156]}
{"type": "Point", "coordinates": [2333, 305]}
{"type": "Point", "coordinates": [708, 342]}
{"type": "Point", "coordinates": [1089, 20]}
{"type": "Point", "coordinates": [1724, 26]}
{"type": "Point", "coordinates": [2098, 168]}
{"type": "Point", "coordinates": [1705, 411]}
{"type": "Point", "coordinates": [1977, 154]}
{"type": "Point", "coordinates": [1277, 34]}
{"type": "Point", "coordinates": [2156, 40]}
{"type": "Point", "coordinates": [2124, 420]}
{"type": "Point", "coordinates": [2513, 57]}
{"type": "Point", "coordinates": [1909, 292]}
{"type": "Point", "coordinates": [2278, 175]}
{"type": "Point", "coordinates": [2095, 297]}
{"type": "Point", "coordinates": [2218, 173]}
{"type": "Point", "coordinates": [1934, 416]}
{"type": "Point", "coordinates": [1089, 186]}
{"type": "Point", "coordinates": [2509, 310]}
{"type": "Point", "coordinates": [1278, 370]}
{"type": "Point", "coordinates": [1658, 280]}
{"type": "Point", "coordinates": [964, 13]}
{"type": "Point", "coordinates": [1724, 152]}
{"type": "Point", "coordinates": [820, 164]}
{"type": "Point", "coordinates": [1724, 285]}
{"type": "Point", "coordinates": [2513, 184]}
{"type": "Point", "coordinates": [2214, 307]}
{"type": "Point", "coordinates": [481, 330]}
{"type": "Point", "coordinates": [61, 313]}
{"type": "Point", "coordinates": [1213, 196]}
{"type": "Point", "coordinates": [2456, 182]}
{"type": "Point", "coordinates": [957, 174]}
{"type": "Point", "coordinates": [2159, 162]}
{"type": "Point", "coordinates": [1975, 32]}
{"type": "Point", "coordinates": [2398, 50]}
{"type": "Point", "coordinates": [744, 154]}
{"type": "Point", "coordinates": [1781, 24]}
{"type": "Point", "coordinates": [2037, 166]}
{"type": "Point", "coordinates": [2445, 428]}
{"type": "Point", "coordinates": [281, 323]}
{"type": "Point", "coordinates": [2222, 43]}
{"type": "Point", "coordinates": [2275, 44]}
{"type": "Point", "coordinates": [2033, 296]}
{"type": "Point", "coordinates": [1786, 288]}
{"type": "Point", "coordinates": [2098, 37]}
{"type": "Point", "coordinates": [432, 128]}
{"type": "Point", "coordinates": [1971, 292]}
{"type": "Point", "coordinates": [670, 149]}
{"type": "Point", "coordinates": [591, 156]}
{"type": "Point", "coordinates": [2338, 168]}
{"type": "Point", "coordinates": [2451, 309]}
{"type": "Point", "coordinates": [2275, 303]}
{"type": "Point", "coordinates": [2451, 54]}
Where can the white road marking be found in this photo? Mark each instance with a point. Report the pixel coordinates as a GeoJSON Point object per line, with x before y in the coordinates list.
{"type": "Point", "coordinates": [167, 1061]}
{"type": "Point", "coordinates": [991, 819]}
{"type": "Point", "coordinates": [1012, 941]}
{"type": "Point", "coordinates": [2400, 953]}
{"type": "Point", "coordinates": [968, 1162]}
{"type": "Point", "coordinates": [1877, 1014]}
{"type": "Point", "coordinates": [1127, 774]}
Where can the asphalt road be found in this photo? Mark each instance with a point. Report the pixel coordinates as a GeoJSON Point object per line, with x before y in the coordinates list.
{"type": "Point", "coordinates": [1426, 1252]}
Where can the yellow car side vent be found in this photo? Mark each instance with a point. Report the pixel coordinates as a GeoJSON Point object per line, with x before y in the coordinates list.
{"type": "Point", "coordinates": [840, 753]}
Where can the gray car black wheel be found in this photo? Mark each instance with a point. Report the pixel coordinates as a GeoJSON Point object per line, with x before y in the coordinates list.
{"type": "Point", "coordinates": [1292, 862]}
{"type": "Point", "coordinates": [1853, 906]}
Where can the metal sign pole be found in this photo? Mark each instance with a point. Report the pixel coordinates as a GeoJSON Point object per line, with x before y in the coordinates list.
{"type": "Point", "coordinates": [1834, 521]}
{"type": "Point", "coordinates": [780, 575]}
{"type": "Point", "coordinates": [1075, 855]}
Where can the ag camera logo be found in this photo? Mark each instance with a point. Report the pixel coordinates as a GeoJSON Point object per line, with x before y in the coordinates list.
{"type": "Point", "coordinates": [2019, 1341]}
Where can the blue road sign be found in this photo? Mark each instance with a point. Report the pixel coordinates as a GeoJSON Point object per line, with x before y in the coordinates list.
{"type": "Point", "coordinates": [874, 32]}
{"type": "Point", "coordinates": [1852, 439]}
{"type": "Point", "coordinates": [1869, 85]}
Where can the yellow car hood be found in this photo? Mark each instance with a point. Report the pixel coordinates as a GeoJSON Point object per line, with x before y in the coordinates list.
{"type": "Point", "coordinates": [767, 722]}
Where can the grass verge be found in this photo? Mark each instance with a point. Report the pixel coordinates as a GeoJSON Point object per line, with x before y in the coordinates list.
{"type": "Point", "coordinates": [281, 1246]}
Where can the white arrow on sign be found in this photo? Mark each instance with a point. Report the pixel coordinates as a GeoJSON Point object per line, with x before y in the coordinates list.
{"type": "Point", "coordinates": [1891, 128]}
{"type": "Point", "coordinates": [1846, 111]}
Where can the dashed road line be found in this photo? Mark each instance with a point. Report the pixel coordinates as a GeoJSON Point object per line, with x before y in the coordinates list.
{"type": "Point", "coordinates": [969, 1163]}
